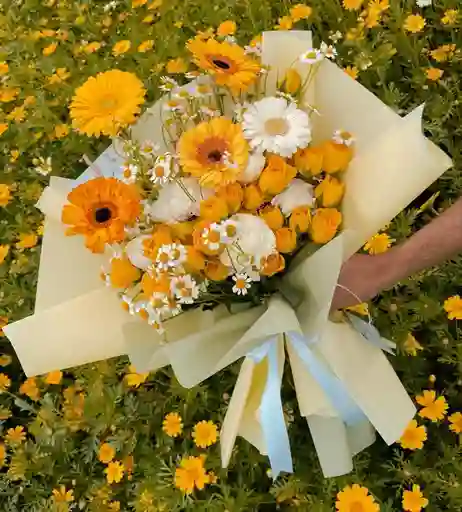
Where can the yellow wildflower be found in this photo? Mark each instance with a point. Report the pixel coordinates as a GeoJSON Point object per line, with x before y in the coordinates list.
{"type": "Point", "coordinates": [148, 19]}
{"type": "Point", "coordinates": [54, 377]}
{"type": "Point", "coordinates": [106, 453]}
{"type": "Point", "coordinates": [3, 128]}
{"type": "Point", "coordinates": [433, 408]}
{"type": "Point", "coordinates": [172, 424]}
{"type": "Point", "coordinates": [227, 28]}
{"type": "Point", "coordinates": [5, 194]}
{"type": "Point", "coordinates": [5, 359]}
{"type": "Point", "coordinates": [3, 323]}
{"type": "Point", "coordinates": [27, 240]}
{"type": "Point", "coordinates": [121, 47]}
{"type": "Point", "coordinates": [300, 12]}
{"type": "Point", "coordinates": [62, 495]}
{"type": "Point", "coordinates": [205, 434]}
{"type": "Point", "coordinates": [18, 114]}
{"type": "Point", "coordinates": [5, 382]}
{"type": "Point", "coordinates": [138, 3]}
{"type": "Point", "coordinates": [352, 71]}
{"type": "Point", "coordinates": [413, 437]}
{"type": "Point", "coordinates": [361, 309]}
{"type": "Point", "coordinates": [443, 52]}
{"type": "Point", "coordinates": [177, 66]}
{"type": "Point", "coordinates": [113, 506]}
{"type": "Point", "coordinates": [284, 23]}
{"type": "Point", "coordinates": [354, 499]}
{"type": "Point", "coordinates": [414, 23]}
{"type": "Point", "coordinates": [15, 435]}
{"type": "Point", "coordinates": [4, 250]}
{"type": "Point", "coordinates": [4, 68]}
{"type": "Point", "coordinates": [114, 472]}
{"type": "Point", "coordinates": [411, 345]}
{"type": "Point", "coordinates": [456, 422]}
{"type": "Point", "coordinates": [352, 5]}
{"type": "Point", "coordinates": [50, 49]}
{"type": "Point", "coordinates": [414, 501]}
{"type": "Point", "coordinates": [2, 454]}
{"type": "Point", "coordinates": [453, 307]}
{"type": "Point", "coordinates": [450, 17]}
{"type": "Point", "coordinates": [61, 130]}
{"type": "Point", "coordinates": [434, 73]}
{"type": "Point", "coordinates": [29, 388]}
{"type": "Point", "coordinates": [4, 413]}
{"type": "Point", "coordinates": [378, 244]}
{"type": "Point", "coordinates": [146, 46]}
{"type": "Point", "coordinates": [8, 94]}
{"type": "Point", "coordinates": [191, 474]}
{"type": "Point", "coordinates": [135, 379]}
{"type": "Point", "coordinates": [92, 47]}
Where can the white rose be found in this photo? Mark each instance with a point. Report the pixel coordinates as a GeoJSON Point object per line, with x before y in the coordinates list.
{"type": "Point", "coordinates": [174, 205]}
{"type": "Point", "coordinates": [256, 240]}
{"type": "Point", "coordinates": [298, 193]}
{"type": "Point", "coordinates": [135, 252]}
{"type": "Point", "coordinates": [254, 168]}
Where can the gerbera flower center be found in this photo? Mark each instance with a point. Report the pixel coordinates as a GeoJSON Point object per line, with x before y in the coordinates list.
{"type": "Point", "coordinates": [211, 151]}
{"type": "Point", "coordinates": [214, 156]}
{"type": "Point", "coordinates": [276, 126]}
{"type": "Point", "coordinates": [108, 103]}
{"type": "Point", "coordinates": [103, 215]}
{"type": "Point", "coordinates": [214, 237]}
{"type": "Point", "coordinates": [221, 64]}
{"type": "Point", "coordinates": [356, 507]}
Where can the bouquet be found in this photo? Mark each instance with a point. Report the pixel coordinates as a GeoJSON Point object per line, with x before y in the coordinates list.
{"type": "Point", "coordinates": [214, 228]}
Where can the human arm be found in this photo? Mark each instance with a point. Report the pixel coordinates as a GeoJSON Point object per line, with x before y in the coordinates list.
{"type": "Point", "coordinates": [366, 276]}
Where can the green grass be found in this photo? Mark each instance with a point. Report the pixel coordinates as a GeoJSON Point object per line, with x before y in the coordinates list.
{"type": "Point", "coordinates": [62, 443]}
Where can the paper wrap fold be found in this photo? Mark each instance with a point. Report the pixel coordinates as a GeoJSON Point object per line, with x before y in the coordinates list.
{"type": "Point", "coordinates": [345, 386]}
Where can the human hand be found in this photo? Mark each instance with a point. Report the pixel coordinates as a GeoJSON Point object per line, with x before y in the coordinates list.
{"type": "Point", "coordinates": [365, 276]}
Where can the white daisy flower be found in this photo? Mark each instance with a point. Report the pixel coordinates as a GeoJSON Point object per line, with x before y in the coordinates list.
{"type": "Point", "coordinates": [242, 284]}
{"type": "Point", "coordinates": [162, 170]}
{"type": "Point", "coordinates": [167, 84]}
{"type": "Point", "coordinates": [149, 147]}
{"type": "Point", "coordinates": [343, 137]}
{"type": "Point", "coordinates": [159, 301]}
{"type": "Point", "coordinates": [275, 125]}
{"type": "Point", "coordinates": [198, 90]}
{"type": "Point", "coordinates": [42, 165]}
{"type": "Point", "coordinates": [228, 231]}
{"type": "Point", "coordinates": [336, 36]}
{"type": "Point", "coordinates": [170, 256]}
{"type": "Point", "coordinates": [129, 302]}
{"type": "Point", "coordinates": [311, 56]}
{"type": "Point", "coordinates": [209, 112]}
{"type": "Point", "coordinates": [185, 289]}
{"type": "Point", "coordinates": [213, 237]}
{"type": "Point", "coordinates": [328, 51]}
{"type": "Point", "coordinates": [253, 50]}
{"type": "Point", "coordinates": [423, 3]}
{"type": "Point", "coordinates": [129, 173]}
{"type": "Point", "coordinates": [174, 105]}
{"type": "Point", "coordinates": [182, 93]}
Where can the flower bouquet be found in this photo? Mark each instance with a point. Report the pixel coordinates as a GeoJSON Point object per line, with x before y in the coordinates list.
{"type": "Point", "coordinates": [214, 229]}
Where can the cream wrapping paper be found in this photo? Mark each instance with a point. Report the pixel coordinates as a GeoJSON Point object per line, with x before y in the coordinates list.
{"type": "Point", "coordinates": [77, 320]}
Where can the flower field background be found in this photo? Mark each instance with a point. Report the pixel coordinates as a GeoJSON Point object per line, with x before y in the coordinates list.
{"type": "Point", "coordinates": [104, 438]}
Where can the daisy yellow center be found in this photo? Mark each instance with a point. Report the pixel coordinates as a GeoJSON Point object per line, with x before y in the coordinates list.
{"type": "Point", "coordinates": [176, 254]}
{"type": "Point", "coordinates": [231, 231]}
{"type": "Point", "coordinates": [356, 507]}
{"type": "Point", "coordinates": [214, 237]}
{"type": "Point", "coordinates": [159, 171]}
{"type": "Point", "coordinates": [240, 283]}
{"type": "Point", "coordinates": [276, 126]}
{"type": "Point", "coordinates": [157, 303]}
{"type": "Point", "coordinates": [163, 257]}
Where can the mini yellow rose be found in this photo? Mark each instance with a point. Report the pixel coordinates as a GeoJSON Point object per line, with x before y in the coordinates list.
{"type": "Point", "coordinates": [300, 219]}
{"type": "Point", "coordinates": [330, 191]}
{"type": "Point", "coordinates": [273, 217]}
{"type": "Point", "coordinates": [309, 161]}
{"type": "Point", "coordinates": [286, 240]}
{"type": "Point", "coordinates": [273, 264]}
{"type": "Point", "coordinates": [276, 176]}
{"type": "Point", "coordinates": [324, 225]}
{"type": "Point", "coordinates": [253, 197]}
{"type": "Point", "coordinates": [213, 209]}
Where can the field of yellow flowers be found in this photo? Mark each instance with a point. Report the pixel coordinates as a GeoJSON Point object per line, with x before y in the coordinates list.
{"type": "Point", "coordinates": [105, 438]}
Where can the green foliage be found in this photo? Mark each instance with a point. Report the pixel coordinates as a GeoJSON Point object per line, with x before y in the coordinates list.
{"type": "Point", "coordinates": [66, 428]}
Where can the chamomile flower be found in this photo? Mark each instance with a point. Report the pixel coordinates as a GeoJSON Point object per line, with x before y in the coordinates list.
{"type": "Point", "coordinates": [42, 165]}
{"type": "Point", "coordinates": [253, 50]}
{"type": "Point", "coordinates": [170, 256]}
{"type": "Point", "coordinates": [242, 284]}
{"type": "Point", "coordinates": [162, 170]}
{"type": "Point", "coordinates": [228, 231]}
{"type": "Point", "coordinates": [167, 84]}
{"type": "Point", "coordinates": [127, 303]}
{"type": "Point", "coordinates": [209, 112]}
{"type": "Point", "coordinates": [198, 90]}
{"type": "Point", "coordinates": [159, 301]}
{"type": "Point", "coordinates": [311, 56]}
{"type": "Point", "coordinates": [213, 237]}
{"type": "Point", "coordinates": [174, 105]}
{"type": "Point", "coordinates": [148, 147]}
{"type": "Point", "coordinates": [328, 51]}
{"type": "Point", "coordinates": [276, 125]}
{"type": "Point", "coordinates": [342, 137]}
{"type": "Point", "coordinates": [185, 289]}
{"type": "Point", "coordinates": [130, 173]}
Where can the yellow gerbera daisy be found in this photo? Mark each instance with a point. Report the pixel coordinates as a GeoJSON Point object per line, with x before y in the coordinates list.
{"type": "Point", "coordinates": [205, 434]}
{"type": "Point", "coordinates": [100, 209]}
{"type": "Point", "coordinates": [172, 424]}
{"type": "Point", "coordinates": [227, 62]}
{"type": "Point", "coordinates": [107, 102]}
{"type": "Point", "coordinates": [214, 151]}
{"type": "Point", "coordinates": [355, 499]}
{"type": "Point", "coordinates": [456, 422]}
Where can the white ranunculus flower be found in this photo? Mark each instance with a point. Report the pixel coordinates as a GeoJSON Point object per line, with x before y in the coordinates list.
{"type": "Point", "coordinates": [174, 205]}
{"type": "Point", "coordinates": [298, 193]}
{"type": "Point", "coordinates": [254, 168]}
{"type": "Point", "coordinates": [256, 240]}
{"type": "Point", "coordinates": [276, 125]}
{"type": "Point", "coordinates": [135, 252]}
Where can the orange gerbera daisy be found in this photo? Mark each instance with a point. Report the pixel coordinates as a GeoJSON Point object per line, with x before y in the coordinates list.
{"type": "Point", "coordinates": [228, 63]}
{"type": "Point", "coordinates": [100, 209]}
{"type": "Point", "coordinates": [214, 151]}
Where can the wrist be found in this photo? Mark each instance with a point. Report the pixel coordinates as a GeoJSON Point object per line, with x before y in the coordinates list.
{"type": "Point", "coordinates": [393, 266]}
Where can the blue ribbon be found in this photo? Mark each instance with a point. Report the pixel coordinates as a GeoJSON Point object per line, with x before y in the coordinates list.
{"type": "Point", "coordinates": [271, 412]}
{"type": "Point", "coordinates": [371, 334]}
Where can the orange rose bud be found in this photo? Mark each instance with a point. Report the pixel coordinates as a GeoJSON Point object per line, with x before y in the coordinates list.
{"type": "Point", "coordinates": [336, 157]}
{"type": "Point", "coordinates": [292, 81]}
{"type": "Point", "coordinates": [276, 176]}
{"type": "Point", "coordinates": [162, 235]}
{"type": "Point", "coordinates": [233, 195]}
{"type": "Point", "coordinates": [151, 284]}
{"type": "Point", "coordinates": [300, 219]}
{"type": "Point", "coordinates": [273, 217]}
{"type": "Point", "coordinates": [215, 270]}
{"type": "Point", "coordinates": [286, 240]}
{"type": "Point", "coordinates": [214, 209]}
{"type": "Point", "coordinates": [324, 225]}
{"type": "Point", "coordinates": [123, 273]}
{"type": "Point", "coordinates": [195, 260]}
{"type": "Point", "coordinates": [273, 264]}
{"type": "Point", "coordinates": [253, 197]}
{"type": "Point", "coordinates": [330, 190]}
{"type": "Point", "coordinates": [309, 160]}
